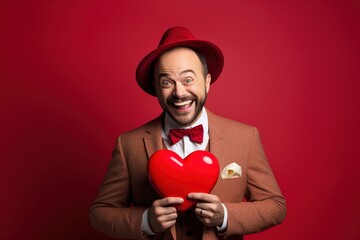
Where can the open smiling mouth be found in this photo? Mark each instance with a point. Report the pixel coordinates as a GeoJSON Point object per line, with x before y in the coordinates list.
{"type": "Point", "coordinates": [183, 105]}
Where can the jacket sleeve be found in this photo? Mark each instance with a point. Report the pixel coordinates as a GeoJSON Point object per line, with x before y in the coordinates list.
{"type": "Point", "coordinates": [265, 205]}
{"type": "Point", "coordinates": [111, 212]}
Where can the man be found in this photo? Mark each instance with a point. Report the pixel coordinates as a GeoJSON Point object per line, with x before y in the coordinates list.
{"type": "Point", "coordinates": [180, 72]}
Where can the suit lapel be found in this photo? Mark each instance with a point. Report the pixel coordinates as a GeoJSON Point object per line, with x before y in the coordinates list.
{"type": "Point", "coordinates": [152, 137]}
{"type": "Point", "coordinates": [218, 147]}
{"type": "Point", "coordinates": [215, 135]}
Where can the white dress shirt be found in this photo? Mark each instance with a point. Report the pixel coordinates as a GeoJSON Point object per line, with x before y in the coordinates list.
{"type": "Point", "coordinates": [183, 148]}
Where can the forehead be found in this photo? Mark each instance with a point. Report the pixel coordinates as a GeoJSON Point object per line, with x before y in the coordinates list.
{"type": "Point", "coordinates": [178, 58]}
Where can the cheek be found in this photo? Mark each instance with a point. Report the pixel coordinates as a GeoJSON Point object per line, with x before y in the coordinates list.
{"type": "Point", "coordinates": [199, 90]}
{"type": "Point", "coordinates": [163, 95]}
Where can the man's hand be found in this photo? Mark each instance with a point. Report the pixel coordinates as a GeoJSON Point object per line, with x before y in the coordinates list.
{"type": "Point", "coordinates": [162, 214]}
{"type": "Point", "coordinates": [208, 209]}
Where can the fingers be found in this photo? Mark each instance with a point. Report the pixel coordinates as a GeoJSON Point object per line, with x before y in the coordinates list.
{"type": "Point", "coordinates": [202, 213]}
{"type": "Point", "coordinates": [203, 197]}
{"type": "Point", "coordinates": [167, 202]}
{"type": "Point", "coordinates": [162, 214]}
{"type": "Point", "coordinates": [208, 208]}
{"type": "Point", "coordinates": [211, 217]}
{"type": "Point", "coordinates": [205, 201]}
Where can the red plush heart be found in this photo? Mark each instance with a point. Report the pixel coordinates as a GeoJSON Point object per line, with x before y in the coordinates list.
{"type": "Point", "coordinates": [172, 176]}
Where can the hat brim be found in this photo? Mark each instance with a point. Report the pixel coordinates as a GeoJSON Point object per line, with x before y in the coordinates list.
{"type": "Point", "coordinates": [212, 54]}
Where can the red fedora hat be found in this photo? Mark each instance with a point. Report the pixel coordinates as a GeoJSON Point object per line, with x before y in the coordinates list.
{"type": "Point", "coordinates": [179, 37]}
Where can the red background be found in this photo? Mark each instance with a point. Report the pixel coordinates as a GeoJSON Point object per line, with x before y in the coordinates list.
{"type": "Point", "coordinates": [68, 89]}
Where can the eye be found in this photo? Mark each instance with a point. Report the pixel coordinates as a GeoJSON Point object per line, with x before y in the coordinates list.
{"type": "Point", "coordinates": [188, 80]}
{"type": "Point", "coordinates": [165, 83]}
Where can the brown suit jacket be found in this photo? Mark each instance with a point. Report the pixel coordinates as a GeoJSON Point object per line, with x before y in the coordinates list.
{"type": "Point", "coordinates": [126, 192]}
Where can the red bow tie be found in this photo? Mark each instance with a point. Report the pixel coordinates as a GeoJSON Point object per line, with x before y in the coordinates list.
{"type": "Point", "coordinates": [195, 134]}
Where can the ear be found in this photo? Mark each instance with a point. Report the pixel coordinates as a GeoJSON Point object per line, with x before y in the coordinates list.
{"type": "Point", "coordinates": [208, 82]}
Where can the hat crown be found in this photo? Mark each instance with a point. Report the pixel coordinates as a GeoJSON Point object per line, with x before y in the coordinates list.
{"type": "Point", "coordinates": [175, 34]}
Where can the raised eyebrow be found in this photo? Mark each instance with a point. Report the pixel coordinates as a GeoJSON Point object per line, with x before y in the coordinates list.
{"type": "Point", "coordinates": [181, 73]}
{"type": "Point", "coordinates": [164, 75]}
{"type": "Point", "coordinates": [187, 71]}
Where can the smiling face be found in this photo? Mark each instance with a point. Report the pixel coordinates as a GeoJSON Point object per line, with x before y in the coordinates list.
{"type": "Point", "coordinates": [180, 84]}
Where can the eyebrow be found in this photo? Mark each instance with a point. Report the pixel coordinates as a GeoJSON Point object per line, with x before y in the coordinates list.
{"type": "Point", "coordinates": [181, 73]}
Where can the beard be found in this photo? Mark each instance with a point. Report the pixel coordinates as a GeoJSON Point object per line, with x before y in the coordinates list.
{"type": "Point", "coordinates": [186, 120]}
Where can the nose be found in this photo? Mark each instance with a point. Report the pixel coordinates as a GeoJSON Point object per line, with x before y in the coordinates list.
{"type": "Point", "coordinates": [179, 90]}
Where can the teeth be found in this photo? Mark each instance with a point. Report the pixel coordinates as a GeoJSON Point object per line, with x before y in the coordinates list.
{"type": "Point", "coordinates": [180, 104]}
